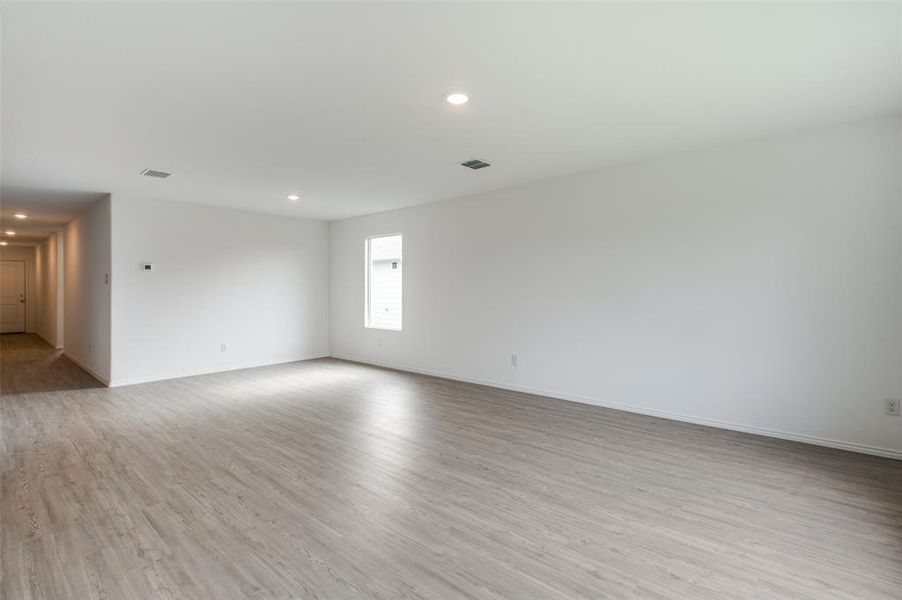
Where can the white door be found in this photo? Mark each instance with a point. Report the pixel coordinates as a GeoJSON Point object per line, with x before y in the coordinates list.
{"type": "Point", "coordinates": [12, 296]}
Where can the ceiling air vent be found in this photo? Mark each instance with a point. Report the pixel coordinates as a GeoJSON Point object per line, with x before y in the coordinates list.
{"type": "Point", "coordinates": [157, 174]}
{"type": "Point", "coordinates": [475, 164]}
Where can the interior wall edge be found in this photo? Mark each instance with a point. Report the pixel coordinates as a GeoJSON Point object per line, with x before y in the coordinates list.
{"type": "Point", "coordinates": [48, 340]}
{"type": "Point", "coordinates": [86, 318]}
{"type": "Point", "coordinates": [87, 368]}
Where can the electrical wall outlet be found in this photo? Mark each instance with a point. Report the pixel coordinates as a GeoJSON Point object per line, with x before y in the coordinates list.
{"type": "Point", "coordinates": [515, 360]}
{"type": "Point", "coordinates": [891, 407]}
{"type": "Point", "coordinates": [222, 347]}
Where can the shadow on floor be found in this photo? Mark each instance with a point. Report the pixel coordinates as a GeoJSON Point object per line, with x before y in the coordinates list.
{"type": "Point", "coordinates": [28, 364]}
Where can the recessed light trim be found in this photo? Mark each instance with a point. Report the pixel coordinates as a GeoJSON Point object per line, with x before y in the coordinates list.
{"type": "Point", "coordinates": [457, 98]}
{"type": "Point", "coordinates": [293, 197]}
{"type": "Point", "coordinates": [20, 216]}
{"type": "Point", "coordinates": [9, 232]}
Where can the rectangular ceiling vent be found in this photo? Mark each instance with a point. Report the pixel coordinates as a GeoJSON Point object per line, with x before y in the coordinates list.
{"type": "Point", "coordinates": [157, 174]}
{"type": "Point", "coordinates": [475, 164]}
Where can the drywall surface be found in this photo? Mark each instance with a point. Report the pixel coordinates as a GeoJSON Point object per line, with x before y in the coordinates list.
{"type": "Point", "coordinates": [86, 289]}
{"type": "Point", "coordinates": [755, 286]}
{"type": "Point", "coordinates": [228, 289]}
{"type": "Point", "coordinates": [25, 254]}
{"type": "Point", "coordinates": [48, 290]}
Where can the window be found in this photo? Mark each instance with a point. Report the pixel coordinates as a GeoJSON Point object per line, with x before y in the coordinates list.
{"type": "Point", "coordinates": [383, 282]}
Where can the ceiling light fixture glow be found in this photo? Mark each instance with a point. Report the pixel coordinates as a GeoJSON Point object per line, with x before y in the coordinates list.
{"type": "Point", "coordinates": [457, 98]}
{"type": "Point", "coordinates": [20, 216]}
{"type": "Point", "coordinates": [293, 197]}
{"type": "Point", "coordinates": [10, 232]}
{"type": "Point", "coordinates": [3, 243]}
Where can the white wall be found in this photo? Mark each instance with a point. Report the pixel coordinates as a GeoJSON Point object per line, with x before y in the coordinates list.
{"type": "Point", "coordinates": [49, 290]}
{"type": "Point", "coordinates": [756, 286]}
{"type": "Point", "coordinates": [257, 283]}
{"type": "Point", "coordinates": [86, 291]}
{"type": "Point", "coordinates": [26, 255]}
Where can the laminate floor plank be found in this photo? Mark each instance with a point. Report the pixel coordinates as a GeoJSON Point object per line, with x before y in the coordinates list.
{"type": "Point", "coordinates": [29, 364]}
{"type": "Point", "coordinates": [330, 479]}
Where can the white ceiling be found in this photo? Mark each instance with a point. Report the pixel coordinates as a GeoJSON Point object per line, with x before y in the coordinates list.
{"type": "Point", "coordinates": [342, 103]}
{"type": "Point", "coordinates": [47, 211]}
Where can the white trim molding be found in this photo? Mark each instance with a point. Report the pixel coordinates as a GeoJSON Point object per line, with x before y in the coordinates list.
{"type": "Point", "coordinates": [195, 373]}
{"type": "Point", "coordinates": [772, 433]}
{"type": "Point", "coordinates": [86, 368]}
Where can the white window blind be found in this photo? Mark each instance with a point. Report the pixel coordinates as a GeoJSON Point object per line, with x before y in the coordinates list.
{"type": "Point", "coordinates": [383, 282]}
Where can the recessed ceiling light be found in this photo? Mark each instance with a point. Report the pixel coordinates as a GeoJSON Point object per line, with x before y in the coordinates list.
{"type": "Point", "coordinates": [21, 216]}
{"type": "Point", "coordinates": [10, 232]}
{"type": "Point", "coordinates": [293, 197]}
{"type": "Point", "coordinates": [457, 98]}
{"type": "Point", "coordinates": [2, 243]}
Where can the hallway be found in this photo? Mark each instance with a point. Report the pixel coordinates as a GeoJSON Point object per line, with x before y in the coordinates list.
{"type": "Point", "coordinates": [28, 364]}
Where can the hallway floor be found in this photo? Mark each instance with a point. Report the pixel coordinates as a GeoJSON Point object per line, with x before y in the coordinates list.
{"type": "Point", "coordinates": [29, 364]}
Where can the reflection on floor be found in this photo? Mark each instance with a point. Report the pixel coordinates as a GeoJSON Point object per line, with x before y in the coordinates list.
{"type": "Point", "coordinates": [28, 364]}
{"type": "Point", "coordinates": [328, 479]}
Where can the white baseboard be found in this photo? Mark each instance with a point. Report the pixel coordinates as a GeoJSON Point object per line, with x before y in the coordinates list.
{"type": "Point", "coordinates": [773, 433]}
{"type": "Point", "coordinates": [85, 367]}
{"type": "Point", "coordinates": [237, 367]}
{"type": "Point", "coordinates": [49, 341]}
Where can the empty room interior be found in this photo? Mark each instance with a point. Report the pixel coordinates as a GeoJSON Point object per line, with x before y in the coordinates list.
{"type": "Point", "coordinates": [451, 300]}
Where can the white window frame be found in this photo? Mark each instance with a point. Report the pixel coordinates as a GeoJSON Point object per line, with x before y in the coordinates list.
{"type": "Point", "coordinates": [366, 282]}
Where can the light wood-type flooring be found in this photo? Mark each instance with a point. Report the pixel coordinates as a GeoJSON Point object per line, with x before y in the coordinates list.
{"type": "Point", "coordinates": [329, 479]}
{"type": "Point", "coordinates": [28, 364]}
